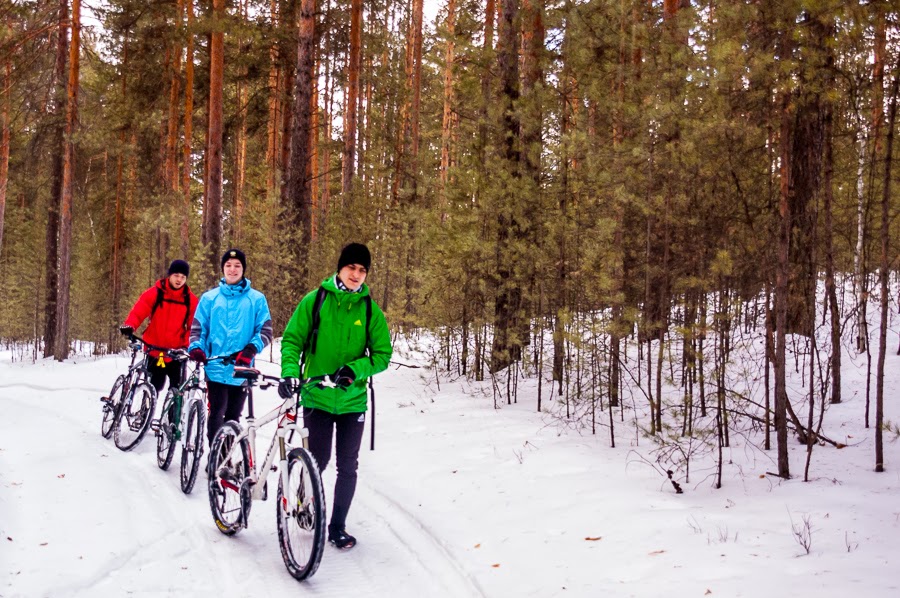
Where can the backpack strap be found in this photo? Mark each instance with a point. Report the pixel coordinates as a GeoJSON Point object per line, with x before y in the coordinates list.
{"type": "Point", "coordinates": [158, 302]}
{"type": "Point", "coordinates": [313, 335]}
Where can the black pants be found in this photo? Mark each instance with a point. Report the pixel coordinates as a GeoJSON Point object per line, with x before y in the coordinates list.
{"type": "Point", "coordinates": [347, 429]}
{"type": "Point", "coordinates": [173, 371]}
{"type": "Point", "coordinates": [226, 403]}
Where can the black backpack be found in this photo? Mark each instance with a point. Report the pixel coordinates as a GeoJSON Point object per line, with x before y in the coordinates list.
{"type": "Point", "coordinates": [313, 336]}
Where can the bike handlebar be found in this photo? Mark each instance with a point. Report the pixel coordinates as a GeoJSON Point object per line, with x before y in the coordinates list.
{"type": "Point", "coordinates": [253, 375]}
{"type": "Point", "coordinates": [176, 354]}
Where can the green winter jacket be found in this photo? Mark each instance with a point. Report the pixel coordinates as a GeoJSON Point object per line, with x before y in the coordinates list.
{"type": "Point", "coordinates": [341, 341]}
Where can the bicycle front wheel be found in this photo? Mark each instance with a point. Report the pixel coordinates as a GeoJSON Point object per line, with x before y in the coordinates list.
{"type": "Point", "coordinates": [165, 435]}
{"type": "Point", "coordinates": [229, 466]}
{"type": "Point", "coordinates": [192, 444]}
{"type": "Point", "coordinates": [300, 510]}
{"type": "Point", "coordinates": [134, 416]}
{"type": "Point", "coordinates": [111, 406]}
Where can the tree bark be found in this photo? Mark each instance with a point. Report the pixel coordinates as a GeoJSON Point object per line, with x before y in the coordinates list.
{"type": "Point", "coordinates": [506, 347]}
{"type": "Point", "coordinates": [214, 144]}
{"type": "Point", "coordinates": [52, 238]}
{"type": "Point", "coordinates": [447, 119]}
{"type": "Point", "coordinates": [828, 193]}
{"type": "Point", "coordinates": [350, 116]}
{"type": "Point", "coordinates": [297, 187]}
{"type": "Point", "coordinates": [187, 166]}
{"type": "Point", "coordinates": [61, 349]}
{"type": "Point", "coordinates": [4, 141]}
{"type": "Point", "coordinates": [884, 274]}
{"type": "Point", "coordinates": [781, 286]}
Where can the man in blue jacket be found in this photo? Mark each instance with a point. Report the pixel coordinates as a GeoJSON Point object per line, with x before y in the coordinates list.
{"type": "Point", "coordinates": [230, 319]}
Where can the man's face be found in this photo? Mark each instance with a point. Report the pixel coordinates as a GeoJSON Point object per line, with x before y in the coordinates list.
{"type": "Point", "coordinates": [353, 276]}
{"type": "Point", "coordinates": [233, 271]}
{"type": "Point", "coordinates": [176, 281]}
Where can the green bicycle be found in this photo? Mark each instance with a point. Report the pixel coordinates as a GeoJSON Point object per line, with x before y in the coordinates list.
{"type": "Point", "coordinates": [172, 428]}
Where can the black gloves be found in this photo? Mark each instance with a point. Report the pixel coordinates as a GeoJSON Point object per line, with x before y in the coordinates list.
{"type": "Point", "coordinates": [126, 330]}
{"type": "Point", "coordinates": [288, 387]}
{"type": "Point", "coordinates": [343, 377]}
{"type": "Point", "coordinates": [198, 355]}
{"type": "Point", "coordinates": [245, 357]}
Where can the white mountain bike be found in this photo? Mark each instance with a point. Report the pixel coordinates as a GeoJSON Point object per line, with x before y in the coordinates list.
{"type": "Point", "coordinates": [236, 479]}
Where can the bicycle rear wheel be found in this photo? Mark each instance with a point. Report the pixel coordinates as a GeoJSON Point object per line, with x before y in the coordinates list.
{"type": "Point", "coordinates": [165, 435]}
{"type": "Point", "coordinates": [229, 466]}
{"type": "Point", "coordinates": [300, 512]}
{"type": "Point", "coordinates": [192, 444]}
{"type": "Point", "coordinates": [111, 406]}
{"type": "Point", "coordinates": [134, 416]}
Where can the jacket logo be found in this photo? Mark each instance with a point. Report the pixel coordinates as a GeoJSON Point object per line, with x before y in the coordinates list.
{"type": "Point", "coordinates": [357, 323]}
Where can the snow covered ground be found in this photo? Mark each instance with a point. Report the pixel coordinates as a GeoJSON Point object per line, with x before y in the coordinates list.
{"type": "Point", "coordinates": [459, 499]}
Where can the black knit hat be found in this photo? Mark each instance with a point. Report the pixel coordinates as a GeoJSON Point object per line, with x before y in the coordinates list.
{"type": "Point", "coordinates": [355, 253]}
{"type": "Point", "coordinates": [235, 254]}
{"type": "Point", "coordinates": [179, 267]}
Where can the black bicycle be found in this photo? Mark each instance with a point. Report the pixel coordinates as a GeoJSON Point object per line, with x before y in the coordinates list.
{"type": "Point", "coordinates": [172, 428]}
{"type": "Point", "coordinates": [129, 407]}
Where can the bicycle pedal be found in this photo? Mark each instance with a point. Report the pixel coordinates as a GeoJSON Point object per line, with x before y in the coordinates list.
{"type": "Point", "coordinates": [155, 425]}
{"type": "Point", "coordinates": [105, 400]}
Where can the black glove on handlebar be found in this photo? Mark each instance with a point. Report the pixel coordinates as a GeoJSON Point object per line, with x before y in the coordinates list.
{"type": "Point", "coordinates": [288, 387]}
{"type": "Point", "coordinates": [126, 330]}
{"type": "Point", "coordinates": [343, 377]}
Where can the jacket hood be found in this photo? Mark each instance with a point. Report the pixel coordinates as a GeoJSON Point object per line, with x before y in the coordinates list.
{"type": "Point", "coordinates": [231, 290]}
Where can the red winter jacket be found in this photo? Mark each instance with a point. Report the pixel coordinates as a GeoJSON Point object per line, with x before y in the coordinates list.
{"type": "Point", "coordinates": [168, 326]}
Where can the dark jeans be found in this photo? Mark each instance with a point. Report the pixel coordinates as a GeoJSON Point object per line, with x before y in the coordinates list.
{"type": "Point", "coordinates": [173, 371]}
{"type": "Point", "coordinates": [226, 403]}
{"type": "Point", "coordinates": [348, 431]}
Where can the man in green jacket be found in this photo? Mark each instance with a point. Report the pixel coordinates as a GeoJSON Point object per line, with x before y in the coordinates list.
{"type": "Point", "coordinates": [342, 347]}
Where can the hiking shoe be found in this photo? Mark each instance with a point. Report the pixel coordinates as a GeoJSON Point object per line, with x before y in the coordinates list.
{"type": "Point", "coordinates": [342, 540]}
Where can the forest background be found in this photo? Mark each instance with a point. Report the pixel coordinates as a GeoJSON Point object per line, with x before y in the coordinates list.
{"type": "Point", "coordinates": [636, 180]}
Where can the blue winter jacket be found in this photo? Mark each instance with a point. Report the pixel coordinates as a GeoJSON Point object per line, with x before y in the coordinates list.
{"type": "Point", "coordinates": [229, 318]}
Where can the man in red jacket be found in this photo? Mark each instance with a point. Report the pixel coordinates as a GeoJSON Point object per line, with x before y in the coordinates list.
{"type": "Point", "coordinates": [170, 305]}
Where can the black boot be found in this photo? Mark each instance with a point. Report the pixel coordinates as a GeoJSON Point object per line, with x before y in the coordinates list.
{"type": "Point", "coordinates": [341, 539]}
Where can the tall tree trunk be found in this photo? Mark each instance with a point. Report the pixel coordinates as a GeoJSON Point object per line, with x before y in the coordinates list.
{"type": "Point", "coordinates": [447, 119]}
{"type": "Point", "coordinates": [214, 144]}
{"type": "Point", "coordinates": [781, 286]}
{"type": "Point", "coordinates": [828, 193]}
{"type": "Point", "coordinates": [298, 191]}
{"type": "Point", "coordinates": [506, 348]}
{"type": "Point", "coordinates": [240, 142]}
{"type": "Point", "coordinates": [486, 77]}
{"type": "Point", "coordinates": [415, 109]}
{"type": "Point", "coordinates": [61, 349]}
{"type": "Point", "coordinates": [59, 119]}
{"type": "Point", "coordinates": [272, 123]}
{"type": "Point", "coordinates": [187, 166]}
{"type": "Point", "coordinates": [354, 59]}
{"type": "Point", "coordinates": [884, 274]}
{"type": "Point", "coordinates": [118, 244]}
{"type": "Point", "coordinates": [874, 143]}
{"type": "Point", "coordinates": [4, 141]}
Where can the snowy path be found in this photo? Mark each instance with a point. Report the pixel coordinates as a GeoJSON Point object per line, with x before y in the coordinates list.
{"type": "Point", "coordinates": [461, 500]}
{"type": "Point", "coordinates": [145, 536]}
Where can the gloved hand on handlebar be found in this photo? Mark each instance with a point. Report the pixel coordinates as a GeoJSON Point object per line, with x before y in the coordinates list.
{"type": "Point", "coordinates": [126, 330]}
{"type": "Point", "coordinates": [288, 387]}
{"type": "Point", "coordinates": [343, 377]}
{"type": "Point", "coordinates": [245, 357]}
{"type": "Point", "coordinates": [198, 355]}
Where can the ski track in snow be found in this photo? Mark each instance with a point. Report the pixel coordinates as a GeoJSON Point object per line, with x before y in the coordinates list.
{"type": "Point", "coordinates": [172, 545]}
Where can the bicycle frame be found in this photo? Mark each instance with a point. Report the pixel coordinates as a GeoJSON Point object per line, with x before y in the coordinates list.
{"type": "Point", "coordinates": [287, 423]}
